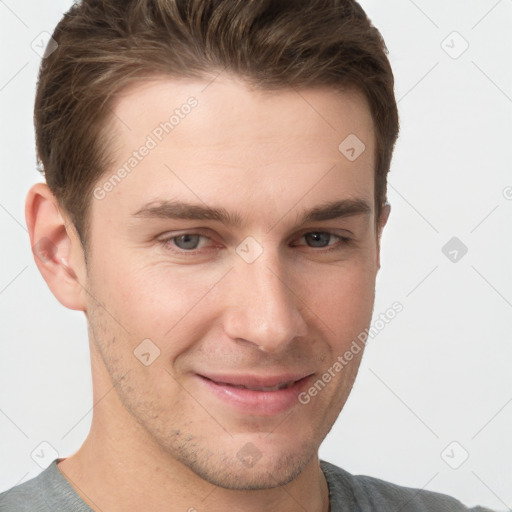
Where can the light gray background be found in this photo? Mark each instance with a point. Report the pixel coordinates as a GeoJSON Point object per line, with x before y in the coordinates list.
{"type": "Point", "coordinates": [438, 373]}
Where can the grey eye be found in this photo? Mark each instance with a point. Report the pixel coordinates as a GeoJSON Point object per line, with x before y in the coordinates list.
{"type": "Point", "coordinates": [187, 241]}
{"type": "Point", "coordinates": [318, 239]}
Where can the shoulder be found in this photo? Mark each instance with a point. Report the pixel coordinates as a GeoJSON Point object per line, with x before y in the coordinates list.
{"type": "Point", "coordinates": [368, 493]}
{"type": "Point", "coordinates": [25, 497]}
{"type": "Point", "coordinates": [47, 492]}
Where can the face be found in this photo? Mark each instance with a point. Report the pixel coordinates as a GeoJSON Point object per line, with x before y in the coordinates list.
{"type": "Point", "coordinates": [231, 263]}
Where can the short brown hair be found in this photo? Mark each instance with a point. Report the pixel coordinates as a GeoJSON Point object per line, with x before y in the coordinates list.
{"type": "Point", "coordinates": [106, 45]}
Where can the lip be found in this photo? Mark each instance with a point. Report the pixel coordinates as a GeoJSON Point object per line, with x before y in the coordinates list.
{"type": "Point", "coordinates": [256, 402]}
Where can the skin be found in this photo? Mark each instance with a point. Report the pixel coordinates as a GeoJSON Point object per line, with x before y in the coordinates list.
{"type": "Point", "coordinates": [268, 157]}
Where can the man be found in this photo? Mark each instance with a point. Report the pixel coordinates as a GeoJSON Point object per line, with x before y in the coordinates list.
{"type": "Point", "coordinates": [215, 197]}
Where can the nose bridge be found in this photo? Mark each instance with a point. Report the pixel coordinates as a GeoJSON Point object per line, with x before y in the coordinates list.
{"type": "Point", "coordinates": [265, 311]}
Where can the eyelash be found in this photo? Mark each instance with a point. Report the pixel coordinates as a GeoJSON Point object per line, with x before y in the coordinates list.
{"type": "Point", "coordinates": [166, 243]}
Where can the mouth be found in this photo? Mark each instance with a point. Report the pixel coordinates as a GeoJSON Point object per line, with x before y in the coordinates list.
{"type": "Point", "coordinates": [257, 395]}
{"type": "Point", "coordinates": [277, 387]}
{"type": "Point", "coordinates": [256, 383]}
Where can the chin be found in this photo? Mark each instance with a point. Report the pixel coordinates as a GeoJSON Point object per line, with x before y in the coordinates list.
{"type": "Point", "coordinates": [248, 469]}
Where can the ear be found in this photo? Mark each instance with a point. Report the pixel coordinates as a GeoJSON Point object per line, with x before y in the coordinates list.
{"type": "Point", "coordinates": [384, 215]}
{"type": "Point", "coordinates": [56, 246]}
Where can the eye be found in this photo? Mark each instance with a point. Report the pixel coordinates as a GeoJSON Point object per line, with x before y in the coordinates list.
{"type": "Point", "coordinates": [185, 241]}
{"type": "Point", "coordinates": [320, 239]}
{"type": "Point", "coordinates": [191, 242]}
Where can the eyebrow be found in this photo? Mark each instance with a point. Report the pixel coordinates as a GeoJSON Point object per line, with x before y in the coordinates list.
{"type": "Point", "coordinates": [188, 211]}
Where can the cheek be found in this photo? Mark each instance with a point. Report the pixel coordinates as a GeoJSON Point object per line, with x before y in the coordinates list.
{"type": "Point", "coordinates": [342, 297]}
{"type": "Point", "coordinates": [159, 301]}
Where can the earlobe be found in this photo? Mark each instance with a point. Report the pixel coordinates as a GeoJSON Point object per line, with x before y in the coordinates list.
{"type": "Point", "coordinates": [384, 216]}
{"type": "Point", "coordinates": [57, 249]}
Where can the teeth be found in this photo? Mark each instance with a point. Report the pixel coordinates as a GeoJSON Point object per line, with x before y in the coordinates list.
{"type": "Point", "coordinates": [285, 385]}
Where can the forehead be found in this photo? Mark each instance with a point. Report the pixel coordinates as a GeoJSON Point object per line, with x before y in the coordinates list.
{"type": "Point", "coordinates": [228, 103]}
{"type": "Point", "coordinates": [225, 143]}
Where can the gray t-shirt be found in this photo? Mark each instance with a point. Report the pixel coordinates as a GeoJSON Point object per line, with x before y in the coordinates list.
{"type": "Point", "coordinates": [51, 492]}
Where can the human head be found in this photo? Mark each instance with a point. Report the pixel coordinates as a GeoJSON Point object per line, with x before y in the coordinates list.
{"type": "Point", "coordinates": [105, 46]}
{"type": "Point", "coordinates": [290, 312]}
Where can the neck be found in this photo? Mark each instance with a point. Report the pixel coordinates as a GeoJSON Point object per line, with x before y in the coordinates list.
{"type": "Point", "coordinates": [113, 477]}
{"type": "Point", "coordinates": [121, 467]}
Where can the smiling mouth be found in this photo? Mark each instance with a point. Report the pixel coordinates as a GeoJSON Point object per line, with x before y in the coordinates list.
{"type": "Point", "coordinates": [277, 387]}
{"type": "Point", "coordinates": [257, 395]}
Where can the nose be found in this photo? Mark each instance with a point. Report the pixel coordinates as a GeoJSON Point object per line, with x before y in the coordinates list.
{"type": "Point", "coordinates": [264, 307]}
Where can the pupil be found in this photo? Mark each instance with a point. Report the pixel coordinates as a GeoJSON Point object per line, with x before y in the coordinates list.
{"type": "Point", "coordinates": [189, 241]}
{"type": "Point", "coordinates": [317, 237]}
